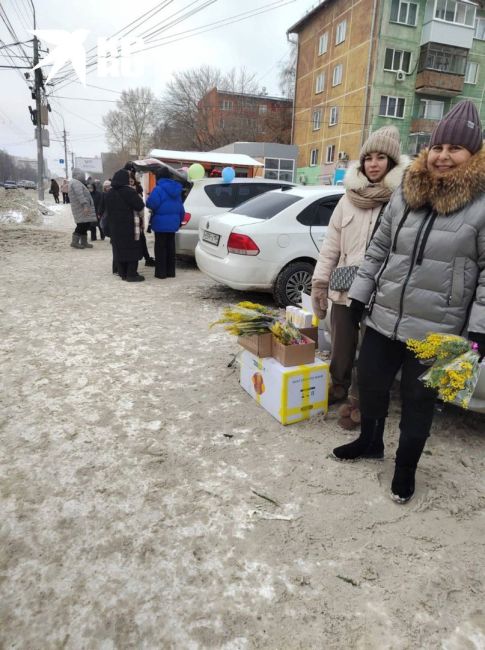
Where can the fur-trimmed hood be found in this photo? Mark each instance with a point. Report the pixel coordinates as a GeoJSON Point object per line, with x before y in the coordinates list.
{"type": "Point", "coordinates": [446, 193]}
{"type": "Point", "coordinates": [354, 179]}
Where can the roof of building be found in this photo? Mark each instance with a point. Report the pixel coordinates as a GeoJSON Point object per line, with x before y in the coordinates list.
{"type": "Point", "coordinates": [252, 95]}
{"type": "Point", "coordinates": [297, 27]}
{"type": "Point", "coordinates": [215, 158]}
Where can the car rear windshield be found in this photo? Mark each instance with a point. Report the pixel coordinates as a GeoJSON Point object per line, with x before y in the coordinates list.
{"type": "Point", "coordinates": [267, 205]}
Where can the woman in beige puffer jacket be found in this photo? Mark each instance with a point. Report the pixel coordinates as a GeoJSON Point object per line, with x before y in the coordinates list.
{"type": "Point", "coordinates": [369, 185]}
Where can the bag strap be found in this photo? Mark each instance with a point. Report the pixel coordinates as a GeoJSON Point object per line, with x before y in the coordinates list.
{"type": "Point", "coordinates": [378, 222]}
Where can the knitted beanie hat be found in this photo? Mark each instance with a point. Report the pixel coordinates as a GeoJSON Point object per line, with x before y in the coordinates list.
{"type": "Point", "coordinates": [460, 126]}
{"type": "Point", "coordinates": [384, 140]}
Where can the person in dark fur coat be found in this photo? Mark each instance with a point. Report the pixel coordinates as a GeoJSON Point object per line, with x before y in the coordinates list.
{"type": "Point", "coordinates": [122, 203]}
{"type": "Point", "coordinates": [424, 271]}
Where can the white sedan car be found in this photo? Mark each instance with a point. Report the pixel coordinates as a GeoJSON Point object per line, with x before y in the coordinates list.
{"type": "Point", "coordinates": [269, 243]}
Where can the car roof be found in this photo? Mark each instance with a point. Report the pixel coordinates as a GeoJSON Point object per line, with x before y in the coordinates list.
{"type": "Point", "coordinates": [219, 181]}
{"type": "Point", "coordinates": [308, 191]}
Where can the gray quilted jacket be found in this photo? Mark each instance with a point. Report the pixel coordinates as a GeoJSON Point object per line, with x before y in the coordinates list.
{"type": "Point", "coordinates": [424, 270]}
{"type": "Point", "coordinates": [79, 196]}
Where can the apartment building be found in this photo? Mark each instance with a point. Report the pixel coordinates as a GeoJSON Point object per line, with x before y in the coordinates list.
{"type": "Point", "coordinates": [225, 117]}
{"type": "Point", "coordinates": [363, 64]}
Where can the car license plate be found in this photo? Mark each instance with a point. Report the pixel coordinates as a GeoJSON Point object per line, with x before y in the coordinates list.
{"type": "Point", "coordinates": [211, 238]}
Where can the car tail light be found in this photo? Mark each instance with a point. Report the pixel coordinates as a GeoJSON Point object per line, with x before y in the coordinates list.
{"type": "Point", "coordinates": [186, 219]}
{"type": "Point", "coordinates": [241, 245]}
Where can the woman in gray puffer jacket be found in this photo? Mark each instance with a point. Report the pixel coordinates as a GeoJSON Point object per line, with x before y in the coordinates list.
{"type": "Point", "coordinates": [424, 271]}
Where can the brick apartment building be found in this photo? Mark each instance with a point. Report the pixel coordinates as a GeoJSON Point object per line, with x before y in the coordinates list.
{"type": "Point", "coordinates": [225, 117]}
{"type": "Point", "coordinates": [363, 64]}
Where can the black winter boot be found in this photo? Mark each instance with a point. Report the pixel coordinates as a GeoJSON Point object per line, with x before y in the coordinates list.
{"type": "Point", "coordinates": [368, 445]}
{"type": "Point", "coordinates": [402, 486]}
{"type": "Point", "coordinates": [407, 457]}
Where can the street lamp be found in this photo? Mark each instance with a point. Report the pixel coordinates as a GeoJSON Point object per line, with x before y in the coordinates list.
{"type": "Point", "coordinates": [64, 137]}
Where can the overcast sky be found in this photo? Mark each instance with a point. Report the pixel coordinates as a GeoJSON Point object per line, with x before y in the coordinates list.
{"type": "Point", "coordinates": [258, 43]}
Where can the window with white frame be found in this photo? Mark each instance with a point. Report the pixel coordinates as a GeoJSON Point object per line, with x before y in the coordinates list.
{"type": "Point", "coordinates": [480, 29]}
{"type": "Point", "coordinates": [397, 60]}
{"type": "Point", "coordinates": [226, 104]}
{"type": "Point", "coordinates": [453, 11]}
{"type": "Point", "coordinates": [323, 44]}
{"type": "Point", "coordinates": [333, 116]}
{"type": "Point", "coordinates": [320, 83]}
{"type": "Point", "coordinates": [430, 109]}
{"type": "Point", "coordinates": [337, 74]}
{"type": "Point", "coordinates": [403, 12]}
{"type": "Point", "coordinates": [282, 169]}
{"type": "Point", "coordinates": [262, 109]}
{"type": "Point", "coordinates": [330, 153]}
{"type": "Point", "coordinates": [340, 32]}
{"type": "Point", "coordinates": [391, 106]}
{"type": "Point", "coordinates": [471, 72]}
{"type": "Point", "coordinates": [313, 157]}
{"type": "Point", "coordinates": [317, 119]}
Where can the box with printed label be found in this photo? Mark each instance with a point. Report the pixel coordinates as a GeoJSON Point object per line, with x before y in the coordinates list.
{"type": "Point", "coordinates": [289, 394]}
{"type": "Point", "coordinates": [258, 344]}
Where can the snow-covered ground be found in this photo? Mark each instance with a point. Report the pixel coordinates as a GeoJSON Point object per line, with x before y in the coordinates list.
{"type": "Point", "coordinates": [131, 469]}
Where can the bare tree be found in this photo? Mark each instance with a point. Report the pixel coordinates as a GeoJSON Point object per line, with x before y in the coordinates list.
{"type": "Point", "coordinates": [131, 126]}
{"type": "Point", "coordinates": [287, 71]}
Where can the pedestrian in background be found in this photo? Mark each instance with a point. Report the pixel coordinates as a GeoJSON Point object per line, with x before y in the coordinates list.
{"type": "Point", "coordinates": [96, 196]}
{"type": "Point", "coordinates": [135, 183]}
{"type": "Point", "coordinates": [82, 208]}
{"type": "Point", "coordinates": [424, 271]}
{"type": "Point", "coordinates": [167, 207]}
{"type": "Point", "coordinates": [369, 185]}
{"type": "Point", "coordinates": [54, 190]}
{"type": "Point", "coordinates": [65, 191]}
{"type": "Point", "coordinates": [123, 205]}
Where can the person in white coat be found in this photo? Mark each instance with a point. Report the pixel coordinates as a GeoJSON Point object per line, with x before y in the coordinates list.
{"type": "Point", "coordinates": [369, 185]}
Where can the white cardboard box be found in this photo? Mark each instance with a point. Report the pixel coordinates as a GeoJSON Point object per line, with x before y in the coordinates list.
{"type": "Point", "coordinates": [290, 394]}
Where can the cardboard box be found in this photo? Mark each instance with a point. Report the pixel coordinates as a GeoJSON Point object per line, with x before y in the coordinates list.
{"type": "Point", "coordinates": [294, 355]}
{"type": "Point", "coordinates": [310, 332]}
{"type": "Point", "coordinates": [259, 344]}
{"type": "Point", "coordinates": [289, 394]}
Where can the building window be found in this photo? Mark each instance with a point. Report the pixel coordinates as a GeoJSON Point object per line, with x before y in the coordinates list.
{"type": "Point", "coordinates": [323, 44]}
{"type": "Point", "coordinates": [405, 13]}
{"type": "Point", "coordinates": [320, 83]}
{"type": "Point", "coordinates": [226, 104]}
{"type": "Point", "coordinates": [391, 106]}
{"type": "Point", "coordinates": [263, 109]}
{"type": "Point", "coordinates": [340, 32]}
{"type": "Point", "coordinates": [471, 72]}
{"type": "Point", "coordinates": [337, 74]}
{"type": "Point", "coordinates": [397, 60]}
{"type": "Point", "coordinates": [313, 157]}
{"type": "Point", "coordinates": [330, 154]}
{"type": "Point", "coordinates": [317, 119]}
{"type": "Point", "coordinates": [429, 109]}
{"type": "Point", "coordinates": [443, 58]}
{"type": "Point", "coordinates": [480, 29]}
{"type": "Point", "coordinates": [451, 11]}
{"type": "Point", "coordinates": [333, 116]}
{"type": "Point", "coordinates": [281, 169]}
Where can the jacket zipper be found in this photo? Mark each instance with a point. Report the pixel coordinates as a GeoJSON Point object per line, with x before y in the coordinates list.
{"type": "Point", "coordinates": [413, 259]}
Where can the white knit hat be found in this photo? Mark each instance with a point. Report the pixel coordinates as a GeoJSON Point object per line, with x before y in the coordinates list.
{"type": "Point", "coordinates": [385, 140]}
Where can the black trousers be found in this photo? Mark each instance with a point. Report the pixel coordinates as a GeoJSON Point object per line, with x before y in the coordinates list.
{"type": "Point", "coordinates": [380, 360]}
{"type": "Point", "coordinates": [65, 197]}
{"type": "Point", "coordinates": [164, 254]}
{"type": "Point", "coordinates": [82, 228]}
{"type": "Point", "coordinates": [127, 269]}
{"type": "Point", "coordinates": [144, 247]}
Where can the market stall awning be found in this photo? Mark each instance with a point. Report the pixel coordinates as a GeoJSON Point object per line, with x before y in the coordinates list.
{"type": "Point", "coordinates": [208, 157]}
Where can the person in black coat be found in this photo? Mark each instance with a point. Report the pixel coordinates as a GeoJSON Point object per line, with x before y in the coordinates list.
{"type": "Point", "coordinates": [54, 190]}
{"type": "Point", "coordinates": [97, 197]}
{"type": "Point", "coordinates": [121, 204]}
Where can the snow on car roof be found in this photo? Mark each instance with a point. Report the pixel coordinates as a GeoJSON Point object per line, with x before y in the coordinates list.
{"type": "Point", "coordinates": [213, 157]}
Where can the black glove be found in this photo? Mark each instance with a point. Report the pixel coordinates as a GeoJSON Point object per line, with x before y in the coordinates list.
{"type": "Point", "coordinates": [356, 311]}
{"type": "Point", "coordinates": [479, 339]}
{"type": "Point", "coordinates": [149, 229]}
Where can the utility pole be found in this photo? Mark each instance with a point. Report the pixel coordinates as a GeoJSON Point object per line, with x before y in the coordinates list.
{"type": "Point", "coordinates": [38, 84]}
{"type": "Point", "coordinates": [72, 161]}
{"type": "Point", "coordinates": [65, 152]}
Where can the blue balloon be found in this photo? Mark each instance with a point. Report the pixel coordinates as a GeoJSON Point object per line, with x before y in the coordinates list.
{"type": "Point", "coordinates": [228, 174]}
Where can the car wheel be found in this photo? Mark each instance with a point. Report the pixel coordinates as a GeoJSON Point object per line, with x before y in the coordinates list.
{"type": "Point", "coordinates": [291, 282]}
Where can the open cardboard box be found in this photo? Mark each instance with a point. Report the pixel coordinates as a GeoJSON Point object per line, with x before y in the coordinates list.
{"type": "Point", "coordinates": [259, 344]}
{"type": "Point", "coordinates": [294, 355]}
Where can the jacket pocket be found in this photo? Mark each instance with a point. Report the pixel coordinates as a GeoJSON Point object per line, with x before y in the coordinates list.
{"type": "Point", "coordinates": [457, 283]}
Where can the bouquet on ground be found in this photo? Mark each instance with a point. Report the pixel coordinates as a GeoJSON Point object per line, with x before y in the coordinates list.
{"type": "Point", "coordinates": [250, 318]}
{"type": "Point", "coordinates": [454, 366]}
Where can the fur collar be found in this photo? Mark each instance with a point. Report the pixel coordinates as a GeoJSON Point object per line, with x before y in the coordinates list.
{"type": "Point", "coordinates": [447, 193]}
{"type": "Point", "coordinates": [356, 180]}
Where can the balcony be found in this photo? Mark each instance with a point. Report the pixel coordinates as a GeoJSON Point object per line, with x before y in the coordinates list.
{"type": "Point", "coordinates": [422, 126]}
{"type": "Point", "coordinates": [442, 84]}
{"type": "Point", "coordinates": [439, 31]}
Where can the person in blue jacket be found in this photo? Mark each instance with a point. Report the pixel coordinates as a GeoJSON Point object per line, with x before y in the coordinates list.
{"type": "Point", "coordinates": [165, 201]}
